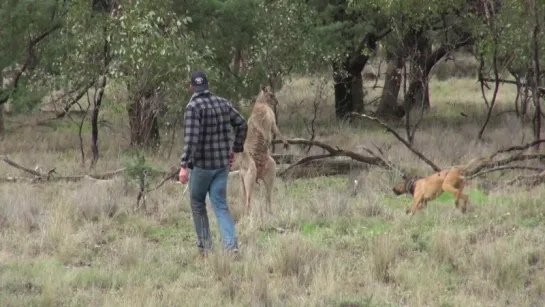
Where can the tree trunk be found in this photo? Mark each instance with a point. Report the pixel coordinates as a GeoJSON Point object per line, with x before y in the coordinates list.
{"type": "Point", "coordinates": [388, 102]}
{"type": "Point", "coordinates": [418, 92]}
{"type": "Point", "coordinates": [348, 85]}
{"type": "Point", "coordinates": [2, 127]}
{"type": "Point", "coordinates": [143, 122]}
{"type": "Point", "coordinates": [343, 95]}
{"type": "Point", "coordinates": [348, 92]}
{"type": "Point", "coordinates": [237, 58]}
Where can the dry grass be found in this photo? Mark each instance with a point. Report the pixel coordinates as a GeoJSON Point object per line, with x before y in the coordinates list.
{"type": "Point", "coordinates": [80, 244]}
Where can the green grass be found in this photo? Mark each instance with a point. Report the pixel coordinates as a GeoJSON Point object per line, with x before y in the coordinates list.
{"type": "Point", "coordinates": [321, 246]}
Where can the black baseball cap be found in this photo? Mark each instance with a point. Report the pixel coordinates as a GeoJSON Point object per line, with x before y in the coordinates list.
{"type": "Point", "coordinates": [199, 81]}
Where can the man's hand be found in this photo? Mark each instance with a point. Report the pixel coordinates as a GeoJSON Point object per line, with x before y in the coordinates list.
{"type": "Point", "coordinates": [183, 176]}
{"type": "Point", "coordinates": [231, 159]}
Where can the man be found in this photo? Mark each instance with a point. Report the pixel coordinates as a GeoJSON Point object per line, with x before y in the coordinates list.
{"type": "Point", "coordinates": [206, 152]}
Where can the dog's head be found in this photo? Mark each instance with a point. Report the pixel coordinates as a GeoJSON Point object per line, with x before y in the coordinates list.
{"type": "Point", "coordinates": [406, 185]}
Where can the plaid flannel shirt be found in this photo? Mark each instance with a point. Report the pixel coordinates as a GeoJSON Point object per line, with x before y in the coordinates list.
{"type": "Point", "coordinates": [207, 122]}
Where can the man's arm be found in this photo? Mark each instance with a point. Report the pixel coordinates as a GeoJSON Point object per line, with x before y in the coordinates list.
{"type": "Point", "coordinates": [192, 121]}
{"type": "Point", "coordinates": [241, 128]}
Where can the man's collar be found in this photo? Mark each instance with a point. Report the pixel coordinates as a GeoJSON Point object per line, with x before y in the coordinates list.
{"type": "Point", "coordinates": [196, 94]}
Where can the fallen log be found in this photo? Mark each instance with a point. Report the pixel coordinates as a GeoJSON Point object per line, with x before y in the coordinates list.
{"type": "Point", "coordinates": [322, 168]}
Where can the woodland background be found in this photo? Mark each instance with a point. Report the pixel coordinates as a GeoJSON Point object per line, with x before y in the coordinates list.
{"type": "Point", "coordinates": [90, 122]}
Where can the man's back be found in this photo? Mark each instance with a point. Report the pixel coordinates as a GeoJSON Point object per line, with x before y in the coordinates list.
{"type": "Point", "coordinates": [208, 119]}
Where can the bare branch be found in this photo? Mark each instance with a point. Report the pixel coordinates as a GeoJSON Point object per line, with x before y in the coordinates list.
{"type": "Point", "coordinates": [531, 179]}
{"type": "Point", "coordinates": [506, 161]}
{"type": "Point", "coordinates": [30, 49]}
{"type": "Point", "coordinates": [540, 89]}
{"type": "Point", "coordinates": [503, 168]}
{"type": "Point", "coordinates": [20, 167]}
{"type": "Point", "coordinates": [305, 160]}
{"type": "Point", "coordinates": [401, 139]}
{"type": "Point", "coordinates": [75, 99]}
{"type": "Point", "coordinates": [39, 176]}
{"type": "Point", "coordinates": [496, 88]}
{"type": "Point", "coordinates": [170, 176]}
{"type": "Point", "coordinates": [337, 152]}
{"type": "Point", "coordinates": [518, 147]}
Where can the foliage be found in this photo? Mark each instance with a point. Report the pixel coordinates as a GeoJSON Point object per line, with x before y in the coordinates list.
{"type": "Point", "coordinates": [511, 32]}
{"type": "Point", "coordinates": [25, 27]}
{"type": "Point", "coordinates": [20, 22]}
{"type": "Point", "coordinates": [149, 44]}
{"type": "Point", "coordinates": [341, 26]}
{"type": "Point", "coordinates": [75, 56]}
{"type": "Point", "coordinates": [273, 33]}
{"type": "Point", "coordinates": [157, 44]}
{"type": "Point", "coordinates": [139, 170]}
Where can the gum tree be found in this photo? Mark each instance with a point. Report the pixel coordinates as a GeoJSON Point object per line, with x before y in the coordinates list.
{"type": "Point", "coordinates": [24, 27]}
{"type": "Point", "coordinates": [424, 32]}
{"type": "Point", "coordinates": [348, 33]}
{"type": "Point", "coordinates": [511, 37]}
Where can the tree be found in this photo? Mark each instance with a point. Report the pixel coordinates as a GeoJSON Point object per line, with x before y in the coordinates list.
{"type": "Point", "coordinates": [417, 26]}
{"type": "Point", "coordinates": [151, 54]}
{"type": "Point", "coordinates": [349, 32]}
{"type": "Point", "coordinates": [272, 36]}
{"type": "Point", "coordinates": [23, 27]}
{"type": "Point", "coordinates": [511, 39]}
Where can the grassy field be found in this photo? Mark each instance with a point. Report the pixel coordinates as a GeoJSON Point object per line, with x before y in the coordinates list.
{"type": "Point", "coordinates": [79, 244]}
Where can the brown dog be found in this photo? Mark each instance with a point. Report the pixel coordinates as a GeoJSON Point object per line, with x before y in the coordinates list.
{"type": "Point", "coordinates": [429, 188]}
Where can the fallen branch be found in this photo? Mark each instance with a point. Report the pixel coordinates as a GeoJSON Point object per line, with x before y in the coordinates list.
{"type": "Point", "coordinates": [305, 160]}
{"type": "Point", "coordinates": [401, 139]}
{"type": "Point", "coordinates": [39, 176]}
{"type": "Point", "coordinates": [172, 175]}
{"type": "Point", "coordinates": [529, 180]}
{"type": "Point", "coordinates": [495, 164]}
{"type": "Point", "coordinates": [338, 152]}
{"type": "Point", "coordinates": [517, 147]}
{"type": "Point", "coordinates": [20, 167]}
{"type": "Point", "coordinates": [503, 168]}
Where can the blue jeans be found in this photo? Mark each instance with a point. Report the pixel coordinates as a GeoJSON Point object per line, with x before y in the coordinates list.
{"type": "Point", "coordinates": [204, 181]}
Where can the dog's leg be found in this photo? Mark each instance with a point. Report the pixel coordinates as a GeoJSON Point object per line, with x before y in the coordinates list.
{"type": "Point", "coordinates": [415, 206]}
{"type": "Point", "coordinates": [463, 197]}
{"type": "Point", "coordinates": [269, 178]}
{"type": "Point", "coordinates": [447, 187]}
{"type": "Point", "coordinates": [465, 201]}
{"type": "Point", "coordinates": [423, 204]}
